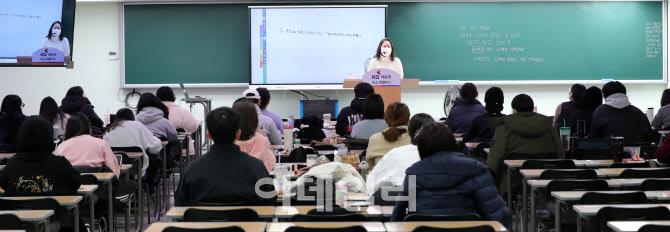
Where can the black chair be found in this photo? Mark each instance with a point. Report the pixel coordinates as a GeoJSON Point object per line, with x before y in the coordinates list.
{"type": "Point", "coordinates": [356, 144]}
{"type": "Point", "coordinates": [88, 179]}
{"type": "Point", "coordinates": [8, 148]}
{"type": "Point", "coordinates": [654, 228]}
{"type": "Point", "coordinates": [530, 156]}
{"type": "Point", "coordinates": [479, 152]}
{"type": "Point", "coordinates": [568, 215]}
{"type": "Point", "coordinates": [602, 198]}
{"type": "Point", "coordinates": [10, 222]}
{"type": "Point", "coordinates": [220, 229]}
{"type": "Point", "coordinates": [217, 204]}
{"type": "Point", "coordinates": [446, 218]}
{"type": "Point", "coordinates": [599, 222]}
{"type": "Point", "coordinates": [629, 165]}
{"type": "Point", "coordinates": [548, 164]}
{"type": "Point", "coordinates": [555, 174]}
{"type": "Point", "coordinates": [232, 215]}
{"type": "Point", "coordinates": [340, 229]}
{"type": "Point", "coordinates": [483, 228]}
{"type": "Point", "coordinates": [645, 173]}
{"type": "Point", "coordinates": [592, 149]}
{"type": "Point", "coordinates": [648, 152]}
{"type": "Point", "coordinates": [351, 217]}
{"type": "Point", "coordinates": [36, 204]}
{"type": "Point", "coordinates": [655, 185]}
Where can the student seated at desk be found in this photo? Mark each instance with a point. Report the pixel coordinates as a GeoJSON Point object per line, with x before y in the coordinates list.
{"type": "Point", "coordinates": [353, 113]}
{"type": "Point", "coordinates": [662, 118]}
{"type": "Point", "coordinates": [465, 110]}
{"type": "Point", "coordinates": [617, 117]}
{"type": "Point", "coordinates": [11, 119]}
{"type": "Point", "coordinates": [391, 169]}
{"type": "Point", "coordinates": [180, 118]}
{"type": "Point", "coordinates": [126, 132]}
{"type": "Point", "coordinates": [448, 182]}
{"type": "Point", "coordinates": [566, 109]}
{"type": "Point", "coordinates": [263, 105]}
{"type": "Point", "coordinates": [480, 127]}
{"type": "Point", "coordinates": [397, 117]}
{"type": "Point", "coordinates": [313, 131]}
{"type": "Point", "coordinates": [252, 142]}
{"type": "Point", "coordinates": [76, 101]}
{"type": "Point", "coordinates": [49, 111]}
{"type": "Point", "coordinates": [373, 118]}
{"type": "Point", "coordinates": [89, 154]}
{"type": "Point", "coordinates": [264, 122]}
{"type": "Point", "coordinates": [81, 149]}
{"type": "Point", "coordinates": [225, 174]}
{"type": "Point", "coordinates": [34, 171]}
{"type": "Point", "coordinates": [590, 100]}
{"type": "Point", "coordinates": [153, 114]}
{"type": "Point", "coordinates": [524, 132]}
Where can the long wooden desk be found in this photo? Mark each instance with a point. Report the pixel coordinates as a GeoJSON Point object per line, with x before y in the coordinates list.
{"type": "Point", "coordinates": [177, 213]}
{"type": "Point", "coordinates": [282, 226]}
{"type": "Point", "coordinates": [247, 226]}
{"type": "Point", "coordinates": [105, 178]}
{"type": "Point", "coordinates": [288, 212]}
{"type": "Point", "coordinates": [33, 216]}
{"type": "Point", "coordinates": [585, 211]}
{"type": "Point", "coordinates": [633, 226]}
{"type": "Point", "coordinates": [410, 226]}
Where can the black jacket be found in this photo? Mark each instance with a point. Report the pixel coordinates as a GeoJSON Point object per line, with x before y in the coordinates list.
{"type": "Point", "coordinates": [349, 116]}
{"type": "Point", "coordinates": [480, 128]}
{"type": "Point", "coordinates": [9, 127]}
{"type": "Point", "coordinates": [225, 175]}
{"type": "Point", "coordinates": [31, 174]}
{"type": "Point", "coordinates": [78, 104]}
{"type": "Point", "coordinates": [586, 115]}
{"type": "Point", "coordinates": [628, 122]}
{"type": "Point", "coordinates": [462, 114]}
{"type": "Point", "coordinates": [567, 109]}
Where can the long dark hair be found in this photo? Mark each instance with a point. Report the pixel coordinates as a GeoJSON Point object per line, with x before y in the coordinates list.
{"type": "Point", "coordinates": [379, 49]}
{"type": "Point", "coordinates": [433, 138]}
{"type": "Point", "coordinates": [75, 91]}
{"type": "Point", "coordinates": [469, 92]}
{"type": "Point", "coordinates": [248, 118]}
{"type": "Point", "coordinates": [494, 99]}
{"type": "Point", "coordinates": [665, 99]}
{"type": "Point", "coordinates": [165, 93]}
{"type": "Point", "coordinates": [11, 110]}
{"type": "Point", "coordinates": [123, 114]}
{"type": "Point", "coordinates": [77, 125]}
{"type": "Point", "coordinates": [591, 98]}
{"type": "Point", "coordinates": [150, 100]}
{"type": "Point", "coordinates": [416, 122]}
{"type": "Point", "coordinates": [397, 114]}
{"type": "Point", "coordinates": [60, 37]}
{"type": "Point", "coordinates": [49, 110]}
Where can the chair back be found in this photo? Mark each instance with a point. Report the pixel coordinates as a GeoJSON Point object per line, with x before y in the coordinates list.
{"type": "Point", "coordinates": [128, 149]}
{"type": "Point", "coordinates": [645, 173]}
{"type": "Point", "coordinates": [530, 156]}
{"type": "Point", "coordinates": [219, 229]}
{"type": "Point", "coordinates": [392, 195]}
{"type": "Point", "coordinates": [232, 215]}
{"type": "Point", "coordinates": [482, 228]}
{"type": "Point", "coordinates": [592, 149]}
{"type": "Point", "coordinates": [351, 217]}
{"type": "Point", "coordinates": [655, 185]}
{"type": "Point", "coordinates": [577, 185]}
{"type": "Point", "coordinates": [479, 152]}
{"type": "Point", "coordinates": [218, 204]}
{"type": "Point", "coordinates": [126, 159]}
{"type": "Point", "coordinates": [602, 198]}
{"type": "Point", "coordinates": [340, 229]}
{"type": "Point", "coordinates": [629, 165]}
{"type": "Point", "coordinates": [654, 228]}
{"type": "Point", "coordinates": [629, 214]}
{"type": "Point", "coordinates": [555, 174]}
{"type": "Point", "coordinates": [356, 144]}
{"type": "Point", "coordinates": [10, 222]}
{"type": "Point", "coordinates": [548, 164]}
{"type": "Point", "coordinates": [36, 204]}
{"type": "Point", "coordinates": [88, 179]}
{"type": "Point", "coordinates": [436, 218]}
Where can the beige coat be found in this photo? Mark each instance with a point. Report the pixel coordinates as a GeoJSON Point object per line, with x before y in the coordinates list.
{"type": "Point", "coordinates": [378, 146]}
{"type": "Point", "coordinates": [182, 119]}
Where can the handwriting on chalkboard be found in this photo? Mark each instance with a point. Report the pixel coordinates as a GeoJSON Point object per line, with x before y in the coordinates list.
{"type": "Point", "coordinates": [489, 45]}
{"type": "Point", "coordinates": [653, 31]}
{"type": "Point", "coordinates": [318, 33]}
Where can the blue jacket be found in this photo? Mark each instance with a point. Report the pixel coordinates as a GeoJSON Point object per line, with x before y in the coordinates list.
{"type": "Point", "coordinates": [462, 114]}
{"type": "Point", "coordinates": [448, 183]}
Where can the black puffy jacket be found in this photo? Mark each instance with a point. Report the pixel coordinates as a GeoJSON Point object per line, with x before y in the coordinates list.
{"type": "Point", "coordinates": [79, 104]}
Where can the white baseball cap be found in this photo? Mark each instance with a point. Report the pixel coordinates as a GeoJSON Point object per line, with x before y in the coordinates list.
{"type": "Point", "coordinates": [251, 94]}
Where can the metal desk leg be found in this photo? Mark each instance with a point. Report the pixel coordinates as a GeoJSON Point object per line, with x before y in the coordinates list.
{"type": "Point", "coordinates": [92, 212]}
{"type": "Point", "coordinates": [524, 207]}
{"type": "Point", "coordinates": [140, 196]}
{"type": "Point", "coordinates": [579, 223]}
{"type": "Point", "coordinates": [509, 188]}
{"type": "Point", "coordinates": [110, 209]}
{"type": "Point", "coordinates": [532, 209]}
{"type": "Point", "coordinates": [47, 225]}
{"type": "Point", "coordinates": [76, 218]}
{"type": "Point", "coordinates": [164, 178]}
{"type": "Point", "coordinates": [557, 211]}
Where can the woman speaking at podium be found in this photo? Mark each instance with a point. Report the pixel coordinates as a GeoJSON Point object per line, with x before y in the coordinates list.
{"type": "Point", "coordinates": [385, 58]}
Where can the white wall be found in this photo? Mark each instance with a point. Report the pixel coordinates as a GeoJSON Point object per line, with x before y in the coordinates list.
{"type": "Point", "coordinates": [97, 33]}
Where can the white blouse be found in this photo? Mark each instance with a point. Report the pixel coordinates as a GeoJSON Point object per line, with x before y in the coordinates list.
{"type": "Point", "coordinates": [384, 62]}
{"type": "Point", "coordinates": [63, 45]}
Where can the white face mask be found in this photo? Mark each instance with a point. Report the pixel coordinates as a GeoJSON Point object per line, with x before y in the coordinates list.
{"type": "Point", "coordinates": [55, 32]}
{"type": "Point", "coordinates": [386, 52]}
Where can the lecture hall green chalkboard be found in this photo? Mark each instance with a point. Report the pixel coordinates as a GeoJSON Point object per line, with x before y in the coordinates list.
{"type": "Point", "coordinates": [469, 41]}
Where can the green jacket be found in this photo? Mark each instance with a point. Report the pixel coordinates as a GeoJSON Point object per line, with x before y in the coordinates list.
{"type": "Point", "coordinates": [523, 132]}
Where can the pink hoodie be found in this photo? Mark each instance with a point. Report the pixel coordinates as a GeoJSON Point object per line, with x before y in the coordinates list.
{"type": "Point", "coordinates": [86, 151]}
{"type": "Point", "coordinates": [259, 147]}
{"type": "Point", "coordinates": [182, 119]}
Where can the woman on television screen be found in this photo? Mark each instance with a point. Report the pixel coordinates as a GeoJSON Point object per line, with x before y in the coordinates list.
{"type": "Point", "coordinates": [55, 39]}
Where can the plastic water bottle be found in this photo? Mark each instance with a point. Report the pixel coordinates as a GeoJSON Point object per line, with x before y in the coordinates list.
{"type": "Point", "coordinates": [333, 137]}
{"type": "Point", "coordinates": [363, 166]}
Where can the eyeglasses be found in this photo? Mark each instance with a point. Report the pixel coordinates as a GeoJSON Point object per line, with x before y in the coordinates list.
{"type": "Point", "coordinates": [23, 104]}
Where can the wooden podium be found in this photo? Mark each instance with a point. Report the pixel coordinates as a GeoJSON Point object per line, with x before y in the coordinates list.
{"type": "Point", "coordinates": [390, 93]}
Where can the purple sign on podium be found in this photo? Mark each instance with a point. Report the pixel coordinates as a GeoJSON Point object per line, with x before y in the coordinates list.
{"type": "Point", "coordinates": [382, 77]}
{"type": "Point", "coordinates": [48, 55]}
